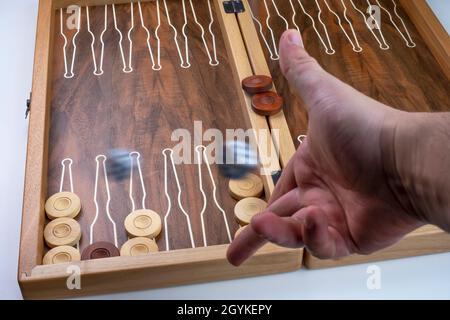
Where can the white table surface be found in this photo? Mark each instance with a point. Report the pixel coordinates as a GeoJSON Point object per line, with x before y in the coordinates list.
{"type": "Point", "coordinates": [421, 277]}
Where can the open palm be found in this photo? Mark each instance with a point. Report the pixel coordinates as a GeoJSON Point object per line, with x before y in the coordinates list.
{"type": "Point", "coordinates": [336, 196]}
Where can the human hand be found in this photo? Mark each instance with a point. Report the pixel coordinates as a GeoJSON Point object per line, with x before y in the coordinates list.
{"type": "Point", "coordinates": [337, 196]}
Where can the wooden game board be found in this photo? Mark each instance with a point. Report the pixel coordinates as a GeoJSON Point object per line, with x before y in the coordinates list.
{"type": "Point", "coordinates": [84, 115]}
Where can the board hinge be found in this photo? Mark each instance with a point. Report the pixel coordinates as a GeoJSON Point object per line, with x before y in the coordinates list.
{"type": "Point", "coordinates": [234, 6]}
{"type": "Point", "coordinates": [28, 109]}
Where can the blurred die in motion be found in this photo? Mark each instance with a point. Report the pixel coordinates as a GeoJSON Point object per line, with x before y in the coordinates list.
{"type": "Point", "coordinates": [238, 159]}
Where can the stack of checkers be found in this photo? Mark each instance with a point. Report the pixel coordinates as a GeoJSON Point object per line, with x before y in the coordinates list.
{"type": "Point", "coordinates": [143, 227]}
{"type": "Point", "coordinates": [63, 232]}
{"type": "Point", "coordinates": [264, 101]}
{"type": "Point", "coordinates": [248, 192]}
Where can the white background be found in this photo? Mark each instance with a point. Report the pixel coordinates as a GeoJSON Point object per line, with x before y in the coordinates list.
{"type": "Point", "coordinates": [422, 277]}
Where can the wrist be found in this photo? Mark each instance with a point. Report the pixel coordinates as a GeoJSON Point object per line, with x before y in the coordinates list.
{"type": "Point", "coordinates": [416, 157]}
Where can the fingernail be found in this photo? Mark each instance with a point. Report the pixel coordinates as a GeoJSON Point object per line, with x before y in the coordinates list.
{"type": "Point", "coordinates": [295, 38]}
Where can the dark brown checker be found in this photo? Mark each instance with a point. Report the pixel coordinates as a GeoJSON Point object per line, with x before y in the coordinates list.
{"type": "Point", "coordinates": [405, 78]}
{"type": "Point", "coordinates": [139, 112]}
{"type": "Point", "coordinates": [100, 250]}
{"type": "Point", "coordinates": [257, 84]}
{"type": "Point", "coordinates": [267, 103]}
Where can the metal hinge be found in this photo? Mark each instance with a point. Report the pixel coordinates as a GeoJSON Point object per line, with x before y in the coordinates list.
{"type": "Point", "coordinates": [27, 111]}
{"type": "Point", "coordinates": [234, 6]}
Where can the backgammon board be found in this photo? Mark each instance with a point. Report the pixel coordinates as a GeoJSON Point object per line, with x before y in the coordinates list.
{"type": "Point", "coordinates": [151, 76]}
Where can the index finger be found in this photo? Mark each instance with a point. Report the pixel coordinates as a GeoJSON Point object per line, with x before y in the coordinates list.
{"type": "Point", "coordinates": [248, 241]}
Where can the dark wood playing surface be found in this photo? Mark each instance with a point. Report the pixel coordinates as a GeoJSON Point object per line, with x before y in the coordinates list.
{"type": "Point", "coordinates": [139, 111]}
{"type": "Point", "coordinates": [407, 79]}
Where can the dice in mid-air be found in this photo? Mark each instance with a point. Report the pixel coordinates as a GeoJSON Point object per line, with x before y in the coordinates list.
{"type": "Point", "coordinates": [238, 159]}
{"type": "Point", "coordinates": [119, 164]}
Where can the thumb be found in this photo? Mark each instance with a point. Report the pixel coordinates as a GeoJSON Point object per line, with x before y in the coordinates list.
{"type": "Point", "coordinates": [303, 72]}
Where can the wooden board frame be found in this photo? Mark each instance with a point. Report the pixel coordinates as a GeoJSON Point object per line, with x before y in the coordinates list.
{"type": "Point", "coordinates": [426, 240]}
{"type": "Point", "coordinates": [122, 273]}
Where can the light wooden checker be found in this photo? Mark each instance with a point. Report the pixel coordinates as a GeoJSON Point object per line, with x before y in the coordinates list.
{"type": "Point", "coordinates": [247, 208]}
{"type": "Point", "coordinates": [249, 186]}
{"type": "Point", "coordinates": [143, 223]}
{"type": "Point", "coordinates": [238, 231]}
{"type": "Point", "coordinates": [62, 232]}
{"type": "Point", "coordinates": [63, 205]}
{"type": "Point", "coordinates": [139, 246]}
{"type": "Point", "coordinates": [62, 254]}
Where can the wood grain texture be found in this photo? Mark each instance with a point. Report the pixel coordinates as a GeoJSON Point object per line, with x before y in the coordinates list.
{"type": "Point", "coordinates": [57, 4]}
{"type": "Point", "coordinates": [157, 270]}
{"type": "Point", "coordinates": [278, 124]}
{"type": "Point", "coordinates": [242, 69]}
{"type": "Point", "coordinates": [139, 112]}
{"type": "Point", "coordinates": [33, 216]}
{"type": "Point", "coordinates": [424, 241]}
{"type": "Point", "coordinates": [407, 79]}
{"type": "Point", "coordinates": [431, 30]}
